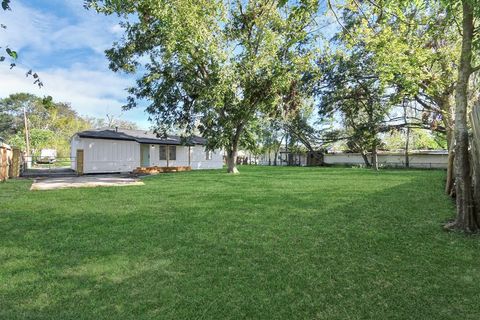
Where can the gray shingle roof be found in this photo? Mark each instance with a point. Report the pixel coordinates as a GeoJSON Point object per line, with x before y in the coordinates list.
{"type": "Point", "coordinates": [140, 136]}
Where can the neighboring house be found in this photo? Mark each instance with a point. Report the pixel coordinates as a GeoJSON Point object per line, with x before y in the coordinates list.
{"type": "Point", "coordinates": [118, 150]}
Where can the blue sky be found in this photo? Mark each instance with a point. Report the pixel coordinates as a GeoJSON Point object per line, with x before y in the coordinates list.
{"type": "Point", "coordinates": [64, 44]}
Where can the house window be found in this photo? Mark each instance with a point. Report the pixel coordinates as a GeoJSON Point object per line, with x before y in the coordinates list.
{"type": "Point", "coordinates": [163, 152]}
{"type": "Point", "coordinates": [208, 155]}
{"type": "Point", "coordinates": [172, 153]}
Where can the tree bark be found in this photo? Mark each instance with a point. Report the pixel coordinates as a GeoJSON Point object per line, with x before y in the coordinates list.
{"type": "Point", "coordinates": [475, 120]}
{"type": "Point", "coordinates": [450, 183]}
{"type": "Point", "coordinates": [466, 219]}
{"type": "Point", "coordinates": [407, 140]}
{"type": "Point", "coordinates": [365, 159]}
{"type": "Point", "coordinates": [232, 151]}
{"type": "Point", "coordinates": [447, 113]}
{"type": "Point", "coordinates": [375, 159]}
{"type": "Point", "coordinates": [232, 161]}
{"type": "Point", "coordinates": [407, 149]}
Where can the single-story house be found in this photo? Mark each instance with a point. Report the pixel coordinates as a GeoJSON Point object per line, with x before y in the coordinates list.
{"type": "Point", "coordinates": [119, 150]}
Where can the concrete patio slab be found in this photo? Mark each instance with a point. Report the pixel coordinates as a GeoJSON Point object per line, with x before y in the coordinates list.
{"type": "Point", "coordinates": [84, 182]}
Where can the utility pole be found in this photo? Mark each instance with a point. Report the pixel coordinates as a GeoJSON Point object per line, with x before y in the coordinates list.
{"type": "Point", "coordinates": [27, 138]}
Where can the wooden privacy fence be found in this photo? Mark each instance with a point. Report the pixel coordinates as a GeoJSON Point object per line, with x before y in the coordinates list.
{"type": "Point", "coordinates": [5, 161]}
{"type": "Point", "coordinates": [10, 162]}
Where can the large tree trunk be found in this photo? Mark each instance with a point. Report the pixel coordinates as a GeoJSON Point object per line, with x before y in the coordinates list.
{"type": "Point", "coordinates": [466, 219]}
{"type": "Point", "coordinates": [232, 160]}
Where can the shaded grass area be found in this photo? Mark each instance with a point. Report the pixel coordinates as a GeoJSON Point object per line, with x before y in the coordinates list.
{"type": "Point", "coordinates": [270, 243]}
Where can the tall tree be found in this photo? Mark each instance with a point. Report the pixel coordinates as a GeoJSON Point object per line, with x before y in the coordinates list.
{"type": "Point", "coordinates": [219, 65]}
{"type": "Point", "coordinates": [468, 216]}
{"type": "Point", "coordinates": [351, 88]}
{"type": "Point", "coordinates": [424, 42]}
{"type": "Point", "coordinates": [51, 123]}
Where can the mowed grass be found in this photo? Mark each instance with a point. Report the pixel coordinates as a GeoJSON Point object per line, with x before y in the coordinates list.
{"type": "Point", "coordinates": [270, 243]}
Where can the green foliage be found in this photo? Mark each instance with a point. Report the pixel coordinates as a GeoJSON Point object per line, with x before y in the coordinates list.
{"type": "Point", "coordinates": [39, 139]}
{"type": "Point", "coordinates": [422, 38]}
{"type": "Point", "coordinates": [350, 88]}
{"type": "Point", "coordinates": [6, 5]}
{"type": "Point", "coordinates": [218, 65]}
{"type": "Point", "coordinates": [51, 123]}
{"type": "Point", "coordinates": [420, 139]}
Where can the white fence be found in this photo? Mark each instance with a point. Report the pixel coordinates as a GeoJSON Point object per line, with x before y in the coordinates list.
{"type": "Point", "coordinates": [435, 159]}
{"type": "Point", "coordinates": [430, 160]}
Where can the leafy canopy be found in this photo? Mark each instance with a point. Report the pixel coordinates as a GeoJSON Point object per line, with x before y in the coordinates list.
{"type": "Point", "coordinates": [215, 65]}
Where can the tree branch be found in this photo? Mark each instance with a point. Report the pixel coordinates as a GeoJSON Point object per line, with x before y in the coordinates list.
{"type": "Point", "coordinates": [475, 69]}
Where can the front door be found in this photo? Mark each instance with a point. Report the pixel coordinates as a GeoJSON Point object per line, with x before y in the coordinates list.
{"type": "Point", "coordinates": [145, 155]}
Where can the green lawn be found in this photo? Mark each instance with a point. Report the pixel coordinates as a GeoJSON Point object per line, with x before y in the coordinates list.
{"type": "Point", "coordinates": [270, 243]}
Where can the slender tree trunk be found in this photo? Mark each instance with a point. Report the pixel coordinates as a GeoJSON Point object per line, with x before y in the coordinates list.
{"type": "Point", "coordinates": [466, 219]}
{"type": "Point", "coordinates": [407, 149]}
{"type": "Point", "coordinates": [449, 185]}
{"type": "Point", "coordinates": [447, 109]}
{"type": "Point", "coordinates": [232, 151]}
{"type": "Point", "coordinates": [365, 159]}
{"type": "Point", "coordinates": [287, 158]}
{"type": "Point", "coordinates": [277, 150]}
{"type": "Point", "coordinates": [375, 158]}
{"type": "Point", "coordinates": [407, 140]}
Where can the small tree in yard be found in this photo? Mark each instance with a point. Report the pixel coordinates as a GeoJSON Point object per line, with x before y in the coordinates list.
{"type": "Point", "coordinates": [350, 88]}
{"type": "Point", "coordinates": [216, 65]}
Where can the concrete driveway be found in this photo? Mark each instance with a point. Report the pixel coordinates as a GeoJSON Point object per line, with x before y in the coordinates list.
{"type": "Point", "coordinates": [109, 180]}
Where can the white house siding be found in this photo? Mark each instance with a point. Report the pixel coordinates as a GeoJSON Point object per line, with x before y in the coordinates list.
{"type": "Point", "coordinates": [104, 156]}
{"type": "Point", "coordinates": [199, 158]}
{"type": "Point", "coordinates": [181, 157]}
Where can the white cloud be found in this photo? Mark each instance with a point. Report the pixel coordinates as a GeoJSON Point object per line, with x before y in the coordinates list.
{"type": "Point", "coordinates": [82, 79]}
{"type": "Point", "coordinates": [91, 92]}
{"type": "Point", "coordinates": [47, 32]}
